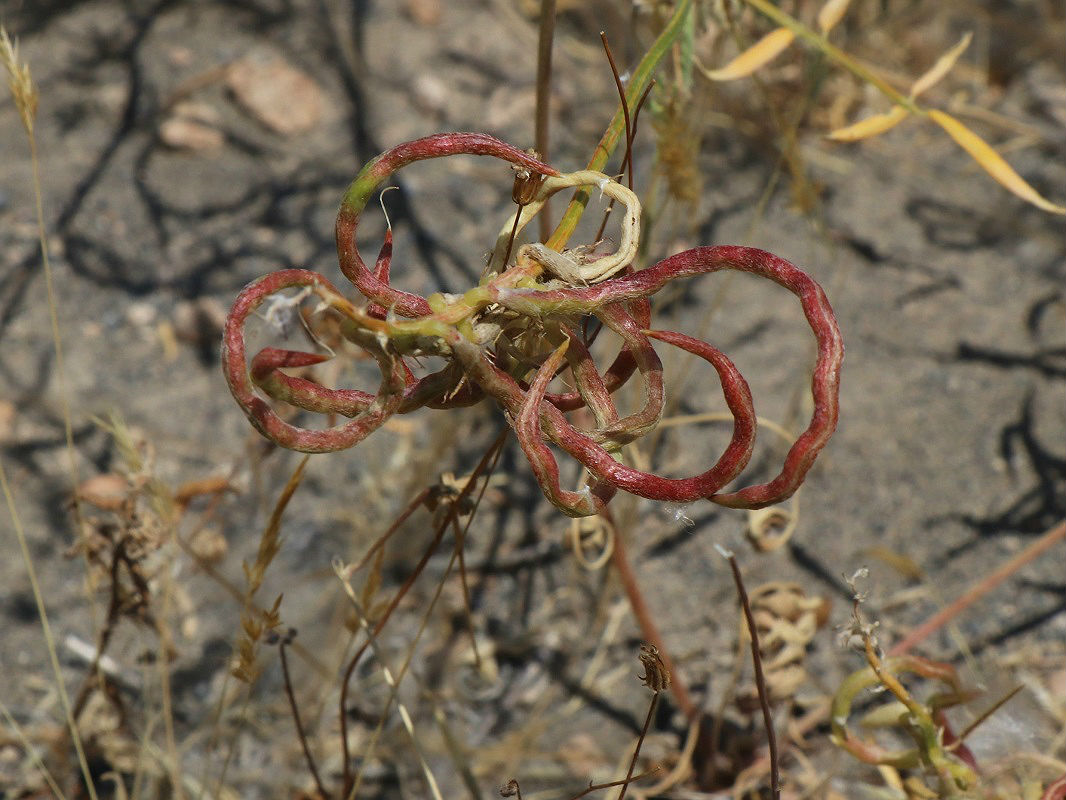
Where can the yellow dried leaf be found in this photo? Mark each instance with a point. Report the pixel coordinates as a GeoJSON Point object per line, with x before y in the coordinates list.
{"type": "Point", "coordinates": [942, 66]}
{"type": "Point", "coordinates": [901, 562]}
{"type": "Point", "coordinates": [759, 54]}
{"type": "Point", "coordinates": [871, 126]}
{"type": "Point", "coordinates": [831, 13]}
{"type": "Point", "coordinates": [992, 162]}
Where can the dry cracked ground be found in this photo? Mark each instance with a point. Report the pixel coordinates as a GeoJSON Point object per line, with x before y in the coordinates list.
{"type": "Point", "coordinates": [189, 147]}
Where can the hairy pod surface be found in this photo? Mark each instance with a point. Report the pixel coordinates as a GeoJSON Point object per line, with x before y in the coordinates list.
{"type": "Point", "coordinates": [508, 337]}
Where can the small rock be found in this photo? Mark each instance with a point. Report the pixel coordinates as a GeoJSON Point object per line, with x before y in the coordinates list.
{"type": "Point", "coordinates": [113, 96]}
{"type": "Point", "coordinates": [199, 321]}
{"type": "Point", "coordinates": [430, 93]}
{"type": "Point", "coordinates": [209, 545]}
{"type": "Point", "coordinates": [198, 112]}
{"type": "Point", "coordinates": [283, 98]}
{"type": "Point", "coordinates": [424, 12]}
{"type": "Point", "coordinates": [180, 56]}
{"type": "Point", "coordinates": [140, 315]}
{"type": "Point", "coordinates": [192, 126]}
{"type": "Point", "coordinates": [108, 491]}
{"type": "Point", "coordinates": [181, 133]}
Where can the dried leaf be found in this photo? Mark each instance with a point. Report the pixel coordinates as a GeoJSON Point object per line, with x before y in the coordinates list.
{"type": "Point", "coordinates": [871, 126]}
{"type": "Point", "coordinates": [992, 162]}
{"type": "Point", "coordinates": [900, 562]}
{"type": "Point", "coordinates": [759, 54]}
{"type": "Point", "coordinates": [942, 66]}
{"type": "Point", "coordinates": [831, 13]}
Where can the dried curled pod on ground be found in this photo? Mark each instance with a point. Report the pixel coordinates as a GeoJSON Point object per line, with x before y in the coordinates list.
{"type": "Point", "coordinates": [786, 620]}
{"type": "Point", "coordinates": [510, 335]}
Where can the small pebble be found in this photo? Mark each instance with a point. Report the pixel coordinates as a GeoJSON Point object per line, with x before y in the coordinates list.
{"type": "Point", "coordinates": [424, 12]}
{"type": "Point", "coordinates": [140, 314]}
{"type": "Point", "coordinates": [281, 97]}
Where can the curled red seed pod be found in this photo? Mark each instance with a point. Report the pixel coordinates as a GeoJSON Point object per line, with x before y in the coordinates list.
{"type": "Point", "coordinates": [509, 337]}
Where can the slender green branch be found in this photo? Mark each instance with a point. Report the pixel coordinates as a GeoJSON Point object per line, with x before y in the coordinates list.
{"type": "Point", "coordinates": [638, 82]}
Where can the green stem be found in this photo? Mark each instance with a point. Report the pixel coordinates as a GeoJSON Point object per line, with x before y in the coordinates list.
{"type": "Point", "coordinates": [637, 84]}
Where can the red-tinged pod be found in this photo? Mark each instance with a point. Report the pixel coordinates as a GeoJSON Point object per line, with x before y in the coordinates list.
{"type": "Point", "coordinates": [599, 461]}
{"type": "Point", "coordinates": [260, 414]}
{"type": "Point", "coordinates": [545, 467]}
{"type": "Point", "coordinates": [300, 392]}
{"type": "Point", "coordinates": [825, 381]}
{"type": "Point", "coordinates": [622, 368]}
{"type": "Point", "coordinates": [375, 173]}
{"type": "Point", "coordinates": [381, 272]}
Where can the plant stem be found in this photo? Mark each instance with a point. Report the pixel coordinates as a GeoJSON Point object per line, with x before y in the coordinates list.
{"type": "Point", "coordinates": [301, 735]}
{"type": "Point", "coordinates": [647, 622]}
{"type": "Point", "coordinates": [544, 85]}
{"type": "Point", "coordinates": [981, 588]}
{"type": "Point", "coordinates": [640, 741]}
{"type": "Point", "coordinates": [637, 84]}
{"type": "Point", "coordinates": [760, 679]}
{"type": "Point", "coordinates": [46, 629]}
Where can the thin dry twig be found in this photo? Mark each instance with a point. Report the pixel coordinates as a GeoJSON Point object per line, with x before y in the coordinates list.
{"type": "Point", "coordinates": [760, 680]}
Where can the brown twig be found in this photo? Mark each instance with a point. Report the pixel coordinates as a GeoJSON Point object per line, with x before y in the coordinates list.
{"type": "Point", "coordinates": [595, 787]}
{"type": "Point", "coordinates": [980, 589]}
{"type": "Point", "coordinates": [627, 159]}
{"type": "Point", "coordinates": [640, 741]}
{"type": "Point", "coordinates": [301, 735]}
{"type": "Point", "coordinates": [646, 621]}
{"type": "Point", "coordinates": [760, 680]}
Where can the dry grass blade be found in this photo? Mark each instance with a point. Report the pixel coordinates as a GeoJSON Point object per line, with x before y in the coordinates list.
{"type": "Point", "coordinates": [255, 625]}
{"type": "Point", "coordinates": [758, 55]}
{"type": "Point", "coordinates": [941, 68]}
{"type": "Point", "coordinates": [26, 98]}
{"type": "Point", "coordinates": [992, 162]}
{"type": "Point", "coordinates": [871, 126]}
{"type": "Point", "coordinates": [392, 679]}
{"type": "Point", "coordinates": [46, 629]}
{"type": "Point", "coordinates": [31, 751]}
{"type": "Point", "coordinates": [270, 541]}
{"type": "Point", "coordinates": [982, 587]}
{"type": "Point", "coordinates": [831, 13]}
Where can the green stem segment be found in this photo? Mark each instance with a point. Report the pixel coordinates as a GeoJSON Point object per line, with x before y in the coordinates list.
{"type": "Point", "coordinates": [637, 84]}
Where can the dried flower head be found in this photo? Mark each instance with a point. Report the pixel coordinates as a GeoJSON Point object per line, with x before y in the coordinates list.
{"type": "Point", "coordinates": [526, 182]}
{"type": "Point", "coordinates": [19, 80]}
{"type": "Point", "coordinates": [656, 676]}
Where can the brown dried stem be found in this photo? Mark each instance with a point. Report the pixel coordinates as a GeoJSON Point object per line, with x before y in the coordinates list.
{"type": "Point", "coordinates": [760, 679]}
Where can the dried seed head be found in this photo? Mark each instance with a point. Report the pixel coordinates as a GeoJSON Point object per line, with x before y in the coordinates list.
{"type": "Point", "coordinates": [656, 676]}
{"type": "Point", "coordinates": [526, 182]}
{"type": "Point", "coordinates": [19, 81]}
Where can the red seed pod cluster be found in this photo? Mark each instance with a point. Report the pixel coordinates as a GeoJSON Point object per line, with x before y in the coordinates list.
{"type": "Point", "coordinates": [508, 337]}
